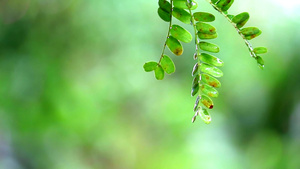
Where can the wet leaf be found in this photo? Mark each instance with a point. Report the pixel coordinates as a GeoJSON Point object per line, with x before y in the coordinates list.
{"type": "Point", "coordinates": [195, 69]}
{"type": "Point", "coordinates": [210, 91]}
{"type": "Point", "coordinates": [250, 32]}
{"type": "Point", "coordinates": [211, 70]}
{"type": "Point", "coordinates": [204, 16]}
{"type": "Point", "coordinates": [159, 73]}
{"type": "Point", "coordinates": [150, 66]}
{"type": "Point", "coordinates": [167, 64]}
{"type": "Point", "coordinates": [205, 116]}
{"type": "Point", "coordinates": [183, 4]}
{"type": "Point", "coordinates": [207, 102]}
{"type": "Point", "coordinates": [182, 15]}
{"type": "Point", "coordinates": [224, 5]}
{"type": "Point", "coordinates": [210, 59]}
{"type": "Point", "coordinates": [175, 46]}
{"type": "Point", "coordinates": [260, 50]}
{"type": "Point", "coordinates": [165, 5]}
{"type": "Point", "coordinates": [241, 19]}
{"type": "Point", "coordinates": [181, 34]}
{"type": "Point", "coordinates": [196, 107]}
{"type": "Point", "coordinates": [210, 47]}
{"type": "Point", "coordinates": [210, 80]}
{"type": "Point", "coordinates": [205, 28]}
{"type": "Point", "coordinates": [164, 15]}
{"type": "Point", "coordinates": [260, 62]}
{"type": "Point", "coordinates": [207, 36]}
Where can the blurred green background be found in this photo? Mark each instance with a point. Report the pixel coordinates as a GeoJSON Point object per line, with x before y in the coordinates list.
{"type": "Point", "coordinates": [73, 93]}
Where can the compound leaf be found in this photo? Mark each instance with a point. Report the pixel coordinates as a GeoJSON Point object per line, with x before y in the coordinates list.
{"type": "Point", "coordinates": [250, 32]}
{"type": "Point", "coordinates": [241, 19]}
{"type": "Point", "coordinates": [210, 80]}
{"type": "Point", "coordinates": [205, 28]}
{"type": "Point", "coordinates": [210, 91]}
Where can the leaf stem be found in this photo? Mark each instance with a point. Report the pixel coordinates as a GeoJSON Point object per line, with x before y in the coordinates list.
{"type": "Point", "coordinates": [168, 35]}
{"type": "Point", "coordinates": [248, 44]}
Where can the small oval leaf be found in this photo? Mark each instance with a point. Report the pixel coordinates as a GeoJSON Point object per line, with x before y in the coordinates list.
{"type": "Point", "coordinates": [224, 5]}
{"type": "Point", "coordinates": [210, 91]}
{"type": "Point", "coordinates": [195, 69]}
{"type": "Point", "coordinates": [175, 46]}
{"type": "Point", "coordinates": [210, 80]}
{"type": "Point", "coordinates": [167, 64]}
{"type": "Point", "coordinates": [205, 116]}
{"type": "Point", "coordinates": [183, 4]}
{"type": "Point", "coordinates": [164, 15]}
{"type": "Point", "coordinates": [150, 66]}
{"type": "Point", "coordinates": [260, 50]}
{"type": "Point", "coordinates": [182, 15]}
{"type": "Point", "coordinates": [250, 32]}
{"type": "Point", "coordinates": [210, 47]}
{"type": "Point", "coordinates": [207, 36]}
{"type": "Point", "coordinates": [205, 28]}
{"type": "Point", "coordinates": [207, 102]}
{"type": "Point", "coordinates": [210, 59]}
{"type": "Point", "coordinates": [211, 70]}
{"type": "Point", "coordinates": [165, 5]}
{"type": "Point", "coordinates": [181, 34]}
{"type": "Point", "coordinates": [195, 56]}
{"type": "Point", "coordinates": [159, 73]}
{"type": "Point", "coordinates": [196, 80]}
{"type": "Point", "coordinates": [241, 19]}
{"type": "Point", "coordinates": [204, 16]}
{"type": "Point", "coordinates": [195, 89]}
{"type": "Point", "coordinates": [260, 62]}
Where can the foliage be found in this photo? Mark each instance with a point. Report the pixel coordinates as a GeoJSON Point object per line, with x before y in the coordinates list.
{"type": "Point", "coordinates": [206, 68]}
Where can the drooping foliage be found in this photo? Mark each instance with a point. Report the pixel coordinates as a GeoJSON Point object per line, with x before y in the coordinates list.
{"type": "Point", "coordinates": [207, 67]}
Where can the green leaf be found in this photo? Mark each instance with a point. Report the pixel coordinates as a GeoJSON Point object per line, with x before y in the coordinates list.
{"type": "Point", "coordinates": [205, 28]}
{"type": "Point", "coordinates": [195, 69]}
{"type": "Point", "coordinates": [260, 62]}
{"type": "Point", "coordinates": [167, 64]}
{"type": "Point", "coordinates": [214, 1]}
{"type": "Point", "coordinates": [210, 59]}
{"type": "Point", "coordinates": [159, 73]}
{"type": "Point", "coordinates": [195, 89]}
{"type": "Point", "coordinates": [182, 15]}
{"type": "Point", "coordinates": [150, 66]}
{"type": "Point", "coordinates": [207, 36]}
{"type": "Point", "coordinates": [241, 19]}
{"type": "Point", "coordinates": [196, 81]}
{"type": "Point", "coordinates": [211, 70]}
{"type": "Point", "coordinates": [165, 5]}
{"type": "Point", "coordinates": [204, 16]}
{"type": "Point", "coordinates": [250, 32]}
{"type": "Point", "coordinates": [164, 15]}
{"type": "Point", "coordinates": [183, 4]}
{"type": "Point", "coordinates": [207, 102]}
{"type": "Point", "coordinates": [210, 91]}
{"type": "Point", "coordinates": [260, 50]}
{"type": "Point", "coordinates": [210, 47]}
{"type": "Point", "coordinates": [196, 107]}
{"type": "Point", "coordinates": [210, 80]}
{"type": "Point", "coordinates": [230, 16]}
{"type": "Point", "coordinates": [181, 34]}
{"type": "Point", "coordinates": [224, 5]}
{"type": "Point", "coordinates": [205, 116]}
{"type": "Point", "coordinates": [175, 46]}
